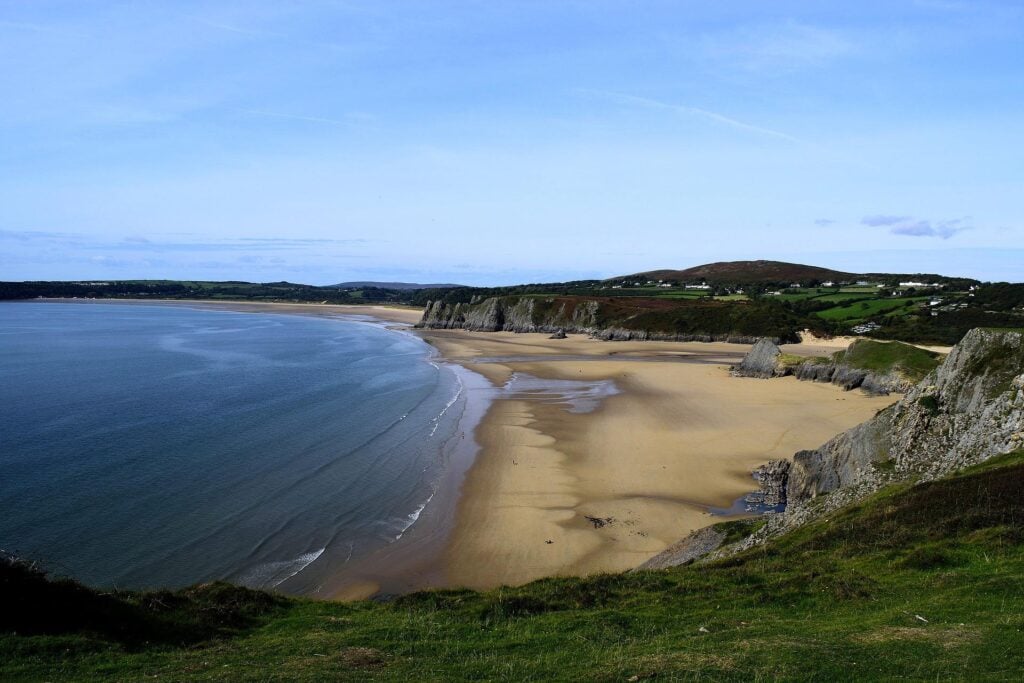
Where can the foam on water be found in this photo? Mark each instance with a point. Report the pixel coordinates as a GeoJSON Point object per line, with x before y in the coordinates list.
{"type": "Point", "coordinates": [273, 574]}
{"type": "Point", "coordinates": [458, 393]}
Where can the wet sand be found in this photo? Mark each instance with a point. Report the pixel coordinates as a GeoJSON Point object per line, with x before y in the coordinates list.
{"type": "Point", "coordinates": [554, 492]}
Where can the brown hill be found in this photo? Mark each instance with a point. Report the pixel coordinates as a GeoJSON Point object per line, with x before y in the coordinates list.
{"type": "Point", "coordinates": [745, 272]}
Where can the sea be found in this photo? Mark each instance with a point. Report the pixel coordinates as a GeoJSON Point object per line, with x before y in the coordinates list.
{"type": "Point", "coordinates": [151, 446]}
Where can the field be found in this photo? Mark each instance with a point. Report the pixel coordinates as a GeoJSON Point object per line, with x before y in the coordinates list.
{"type": "Point", "coordinates": [862, 310]}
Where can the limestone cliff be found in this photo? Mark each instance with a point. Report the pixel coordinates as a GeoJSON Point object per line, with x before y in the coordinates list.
{"type": "Point", "coordinates": [970, 408]}
{"type": "Point", "coordinates": [511, 315]}
{"type": "Point", "coordinates": [618, 319]}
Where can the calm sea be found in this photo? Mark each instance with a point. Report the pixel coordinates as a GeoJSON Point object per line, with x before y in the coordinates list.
{"type": "Point", "coordinates": [146, 446]}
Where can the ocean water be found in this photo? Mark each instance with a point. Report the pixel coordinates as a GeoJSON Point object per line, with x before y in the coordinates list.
{"type": "Point", "coordinates": [145, 446]}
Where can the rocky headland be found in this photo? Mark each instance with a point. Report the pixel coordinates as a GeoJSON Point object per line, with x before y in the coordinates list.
{"type": "Point", "coordinates": [967, 410]}
{"type": "Point", "coordinates": [610, 319]}
{"type": "Point", "coordinates": [876, 367]}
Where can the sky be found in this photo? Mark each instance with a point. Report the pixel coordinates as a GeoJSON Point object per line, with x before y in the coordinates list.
{"type": "Point", "coordinates": [492, 143]}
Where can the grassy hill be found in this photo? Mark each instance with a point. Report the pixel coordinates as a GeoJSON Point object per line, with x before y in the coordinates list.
{"type": "Point", "coordinates": [746, 272]}
{"type": "Point", "coordinates": [922, 582]}
{"type": "Point", "coordinates": [910, 361]}
{"type": "Point", "coordinates": [398, 286]}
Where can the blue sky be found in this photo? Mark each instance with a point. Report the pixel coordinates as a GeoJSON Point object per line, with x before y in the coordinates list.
{"type": "Point", "coordinates": [503, 142]}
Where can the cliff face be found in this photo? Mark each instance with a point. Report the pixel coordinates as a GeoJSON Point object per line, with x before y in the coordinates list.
{"type": "Point", "coordinates": [510, 315]}
{"type": "Point", "coordinates": [599, 319]}
{"type": "Point", "coordinates": [968, 409]}
{"type": "Point", "coordinates": [849, 378]}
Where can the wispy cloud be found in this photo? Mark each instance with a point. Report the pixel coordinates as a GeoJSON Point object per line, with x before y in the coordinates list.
{"type": "Point", "coordinates": [43, 28]}
{"type": "Point", "coordinates": [31, 235]}
{"type": "Point", "coordinates": [774, 47]}
{"type": "Point", "coordinates": [633, 100]}
{"type": "Point", "coordinates": [880, 220]}
{"type": "Point", "coordinates": [142, 243]}
{"type": "Point", "coordinates": [909, 226]}
{"type": "Point", "coordinates": [294, 117]}
{"type": "Point", "coordinates": [824, 222]}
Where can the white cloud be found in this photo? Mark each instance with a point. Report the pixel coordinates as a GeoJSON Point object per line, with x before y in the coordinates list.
{"type": "Point", "coordinates": [909, 226]}
{"type": "Point", "coordinates": [774, 47]}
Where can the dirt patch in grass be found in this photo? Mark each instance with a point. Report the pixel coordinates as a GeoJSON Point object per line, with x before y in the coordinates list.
{"type": "Point", "coordinates": [946, 637]}
{"type": "Point", "coordinates": [362, 657]}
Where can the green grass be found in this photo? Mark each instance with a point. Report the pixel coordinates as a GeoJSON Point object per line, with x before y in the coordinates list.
{"type": "Point", "coordinates": [862, 310]}
{"type": "Point", "coordinates": [842, 298]}
{"type": "Point", "coordinates": [790, 360]}
{"type": "Point", "coordinates": [912, 362]}
{"type": "Point", "coordinates": [919, 583]}
{"type": "Point", "coordinates": [799, 294]}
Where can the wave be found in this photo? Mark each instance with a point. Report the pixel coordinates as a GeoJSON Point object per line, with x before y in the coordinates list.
{"type": "Point", "coordinates": [451, 402]}
{"type": "Point", "coordinates": [273, 574]}
{"type": "Point", "coordinates": [415, 515]}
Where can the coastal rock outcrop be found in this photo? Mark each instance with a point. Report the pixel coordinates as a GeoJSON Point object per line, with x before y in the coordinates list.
{"type": "Point", "coordinates": [761, 361]}
{"type": "Point", "coordinates": [772, 479]}
{"type": "Point", "coordinates": [840, 374]}
{"type": "Point", "coordinates": [766, 360]}
{"type": "Point", "coordinates": [698, 544]}
{"type": "Point", "coordinates": [970, 408]}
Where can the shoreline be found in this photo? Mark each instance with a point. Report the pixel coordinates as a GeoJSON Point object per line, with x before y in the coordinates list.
{"type": "Point", "coordinates": [391, 314]}
{"type": "Point", "coordinates": [533, 488]}
{"type": "Point", "coordinates": [556, 492]}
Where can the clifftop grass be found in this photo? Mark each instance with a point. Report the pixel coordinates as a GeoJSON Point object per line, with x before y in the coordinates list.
{"type": "Point", "coordinates": [917, 582]}
{"type": "Point", "coordinates": [881, 357]}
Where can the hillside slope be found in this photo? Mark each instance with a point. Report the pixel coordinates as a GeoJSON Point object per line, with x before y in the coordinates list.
{"type": "Point", "coordinates": [916, 583]}
{"type": "Point", "coordinates": [746, 272]}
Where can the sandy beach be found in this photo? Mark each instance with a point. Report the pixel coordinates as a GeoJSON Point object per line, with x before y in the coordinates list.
{"type": "Point", "coordinates": [554, 492]}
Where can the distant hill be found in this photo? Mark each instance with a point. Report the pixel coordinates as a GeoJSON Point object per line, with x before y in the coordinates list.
{"type": "Point", "coordinates": [402, 286]}
{"type": "Point", "coordinates": [745, 272]}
